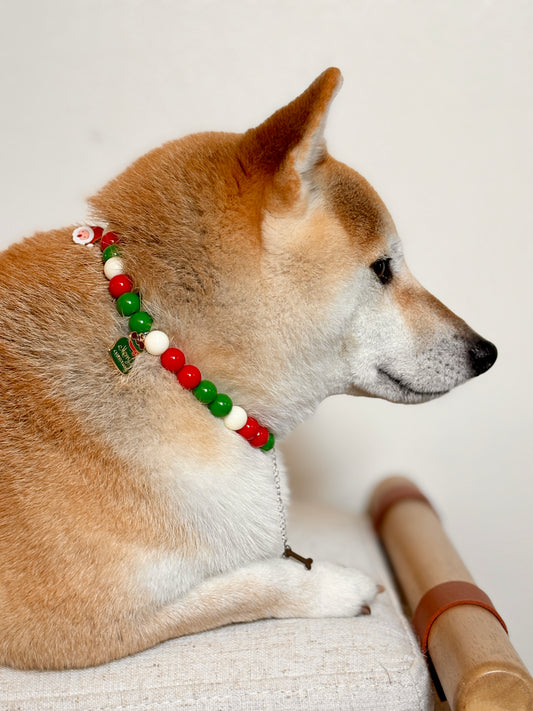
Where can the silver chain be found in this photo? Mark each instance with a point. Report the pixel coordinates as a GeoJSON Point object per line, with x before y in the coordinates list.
{"type": "Point", "coordinates": [281, 505]}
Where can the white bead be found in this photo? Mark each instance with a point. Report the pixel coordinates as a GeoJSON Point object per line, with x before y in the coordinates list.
{"type": "Point", "coordinates": [236, 418]}
{"type": "Point", "coordinates": [113, 266]}
{"type": "Point", "coordinates": [156, 342]}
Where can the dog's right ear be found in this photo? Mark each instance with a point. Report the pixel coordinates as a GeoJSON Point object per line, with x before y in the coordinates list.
{"type": "Point", "coordinates": [287, 146]}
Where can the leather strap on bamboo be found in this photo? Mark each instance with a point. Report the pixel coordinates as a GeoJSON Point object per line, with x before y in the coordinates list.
{"type": "Point", "coordinates": [440, 598]}
{"type": "Point", "coordinates": [392, 496]}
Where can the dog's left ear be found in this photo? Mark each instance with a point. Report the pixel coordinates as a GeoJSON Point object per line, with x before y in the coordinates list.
{"type": "Point", "coordinates": [290, 143]}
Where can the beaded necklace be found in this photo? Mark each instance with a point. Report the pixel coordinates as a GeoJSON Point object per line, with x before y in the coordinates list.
{"type": "Point", "coordinates": [157, 343]}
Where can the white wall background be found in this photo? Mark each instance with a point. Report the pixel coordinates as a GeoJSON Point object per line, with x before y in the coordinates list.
{"type": "Point", "coordinates": [436, 111]}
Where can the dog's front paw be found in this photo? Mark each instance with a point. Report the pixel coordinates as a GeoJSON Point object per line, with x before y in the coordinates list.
{"type": "Point", "coordinates": [329, 590]}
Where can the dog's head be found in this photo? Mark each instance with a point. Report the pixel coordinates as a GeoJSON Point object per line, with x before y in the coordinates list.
{"type": "Point", "coordinates": [281, 269]}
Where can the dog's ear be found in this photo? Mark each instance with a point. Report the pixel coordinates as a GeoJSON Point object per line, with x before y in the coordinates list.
{"type": "Point", "coordinates": [290, 143]}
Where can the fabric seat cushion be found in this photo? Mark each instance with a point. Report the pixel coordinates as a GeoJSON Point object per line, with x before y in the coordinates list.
{"type": "Point", "coordinates": [369, 663]}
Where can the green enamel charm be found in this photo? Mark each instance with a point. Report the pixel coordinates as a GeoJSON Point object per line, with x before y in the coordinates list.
{"type": "Point", "coordinates": [123, 355]}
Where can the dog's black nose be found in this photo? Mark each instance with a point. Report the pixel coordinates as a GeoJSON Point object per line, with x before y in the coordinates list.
{"type": "Point", "coordinates": [482, 356]}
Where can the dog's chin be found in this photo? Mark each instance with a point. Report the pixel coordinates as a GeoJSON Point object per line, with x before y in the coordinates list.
{"type": "Point", "coordinates": [395, 389]}
{"type": "Point", "coordinates": [399, 390]}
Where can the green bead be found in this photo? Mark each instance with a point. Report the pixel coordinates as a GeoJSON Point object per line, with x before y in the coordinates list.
{"type": "Point", "coordinates": [269, 443]}
{"type": "Point", "coordinates": [141, 322]}
{"type": "Point", "coordinates": [111, 251]}
{"type": "Point", "coordinates": [206, 392]}
{"type": "Point", "coordinates": [128, 303]}
{"type": "Point", "coordinates": [221, 405]}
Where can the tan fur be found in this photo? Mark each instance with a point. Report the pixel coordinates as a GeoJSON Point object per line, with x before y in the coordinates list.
{"type": "Point", "coordinates": [128, 514]}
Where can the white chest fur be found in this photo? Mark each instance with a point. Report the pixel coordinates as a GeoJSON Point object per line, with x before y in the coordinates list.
{"type": "Point", "coordinates": [229, 515]}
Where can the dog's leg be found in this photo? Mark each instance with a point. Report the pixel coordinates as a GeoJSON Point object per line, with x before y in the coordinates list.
{"type": "Point", "coordinates": [264, 589]}
{"type": "Point", "coordinates": [271, 588]}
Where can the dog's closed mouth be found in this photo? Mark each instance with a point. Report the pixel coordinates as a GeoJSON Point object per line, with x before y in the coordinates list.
{"type": "Point", "coordinates": [408, 389]}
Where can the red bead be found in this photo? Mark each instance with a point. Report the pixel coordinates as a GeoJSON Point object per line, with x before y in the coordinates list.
{"type": "Point", "coordinates": [189, 377]}
{"type": "Point", "coordinates": [260, 438]}
{"type": "Point", "coordinates": [98, 232]}
{"type": "Point", "coordinates": [250, 429]}
{"type": "Point", "coordinates": [172, 359]}
{"type": "Point", "coordinates": [107, 239]}
{"type": "Point", "coordinates": [119, 285]}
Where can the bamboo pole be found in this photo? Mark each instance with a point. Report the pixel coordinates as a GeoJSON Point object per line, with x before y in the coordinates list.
{"type": "Point", "coordinates": [477, 666]}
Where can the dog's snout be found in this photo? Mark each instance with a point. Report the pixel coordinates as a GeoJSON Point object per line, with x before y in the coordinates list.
{"type": "Point", "coordinates": [482, 356]}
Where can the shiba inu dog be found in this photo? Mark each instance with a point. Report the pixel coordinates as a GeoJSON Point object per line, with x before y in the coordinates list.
{"type": "Point", "coordinates": [133, 508]}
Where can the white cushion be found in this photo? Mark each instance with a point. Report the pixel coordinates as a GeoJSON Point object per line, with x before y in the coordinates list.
{"type": "Point", "coordinates": [369, 663]}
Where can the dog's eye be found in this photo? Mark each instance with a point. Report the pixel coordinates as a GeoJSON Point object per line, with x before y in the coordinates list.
{"type": "Point", "coordinates": [382, 270]}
